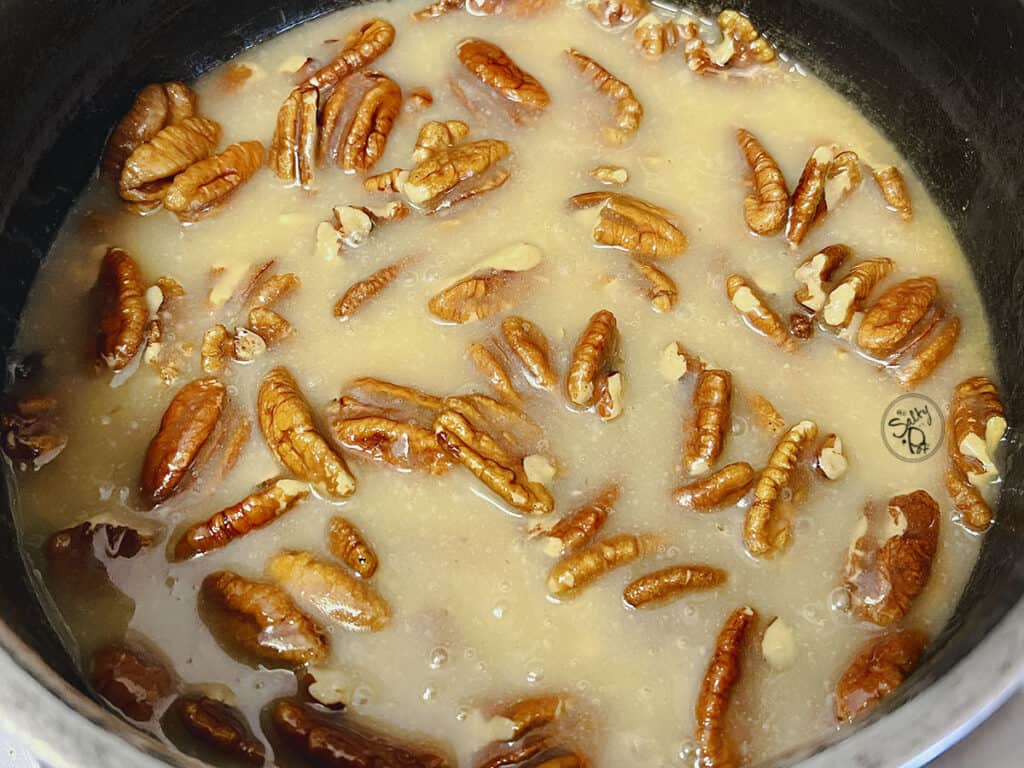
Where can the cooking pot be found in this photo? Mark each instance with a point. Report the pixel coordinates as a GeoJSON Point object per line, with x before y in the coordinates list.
{"type": "Point", "coordinates": [943, 78]}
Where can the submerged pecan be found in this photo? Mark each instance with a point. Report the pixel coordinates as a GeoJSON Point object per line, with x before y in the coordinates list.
{"type": "Point", "coordinates": [748, 301]}
{"type": "Point", "coordinates": [572, 532]}
{"type": "Point", "coordinates": [632, 224]}
{"type": "Point", "coordinates": [712, 407]}
{"type": "Point", "coordinates": [894, 190]}
{"type": "Point", "coordinates": [766, 208]}
{"type": "Point", "coordinates": [671, 583]}
{"type": "Point", "coordinates": [156, 106]}
{"type": "Point", "coordinates": [363, 290]}
{"type": "Point", "coordinates": [724, 487]}
{"type": "Point", "coordinates": [901, 313]}
{"type": "Point", "coordinates": [628, 109]}
{"type": "Point", "coordinates": [29, 431]}
{"type": "Point", "coordinates": [831, 462]}
{"type": "Point", "coordinates": [357, 120]}
{"type": "Point", "coordinates": [921, 360]}
{"type": "Point", "coordinates": [616, 14]}
{"type": "Point", "coordinates": [457, 173]}
{"type": "Point", "coordinates": [221, 727]}
{"type": "Point", "coordinates": [808, 204]}
{"type": "Point", "coordinates": [765, 415]}
{"type": "Point", "coordinates": [130, 678]}
{"type": "Point", "coordinates": [976, 425]}
{"type": "Point", "coordinates": [584, 566]}
{"type": "Point", "coordinates": [495, 69]}
{"type": "Point", "coordinates": [843, 177]}
{"type": "Point", "coordinates": [592, 380]}
{"type": "Point", "coordinates": [350, 546]}
{"type": "Point", "coordinates": [435, 136]}
{"type": "Point", "coordinates": [208, 184]}
{"type": "Point", "coordinates": [655, 35]}
{"type": "Point", "coordinates": [529, 345]}
{"type": "Point", "coordinates": [853, 290]}
{"type": "Point", "coordinates": [292, 154]}
{"type": "Point", "coordinates": [489, 359]}
{"type": "Point", "coordinates": [187, 425]}
{"type": "Point", "coordinates": [77, 556]}
{"type": "Point", "coordinates": [492, 287]}
{"type": "Point", "coordinates": [661, 289]}
{"type": "Point", "coordinates": [151, 167]}
{"type": "Point", "coordinates": [123, 312]}
{"type": "Point", "coordinates": [287, 425]}
{"type": "Point", "coordinates": [879, 668]}
{"type": "Point", "coordinates": [815, 273]}
{"type": "Point", "coordinates": [741, 46]}
{"type": "Point", "coordinates": [361, 48]}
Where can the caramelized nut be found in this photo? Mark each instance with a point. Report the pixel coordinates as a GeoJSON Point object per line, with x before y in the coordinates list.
{"type": "Point", "coordinates": [293, 147]}
{"type": "Point", "coordinates": [809, 196]}
{"type": "Point", "coordinates": [584, 566]}
{"type": "Point", "coordinates": [894, 190]}
{"type": "Point", "coordinates": [628, 110]}
{"type": "Point", "coordinates": [122, 310]}
{"type": "Point", "coordinates": [131, 679]}
{"type": "Point", "coordinates": [357, 120]}
{"type": "Point", "coordinates": [149, 169]}
{"type": "Point", "coordinates": [496, 70]}
{"type": "Point", "coordinates": [207, 184]}
{"type": "Point", "coordinates": [879, 668]}
{"type": "Point", "coordinates": [722, 488]}
{"type": "Point", "coordinates": [662, 290]}
{"type": "Point", "coordinates": [632, 225]}
{"type": "Point", "coordinates": [490, 288]}
{"type": "Point", "coordinates": [712, 399]}
{"type": "Point", "coordinates": [764, 210]}
{"type": "Point", "coordinates": [221, 727]}
{"type": "Point", "coordinates": [362, 47]}
{"type": "Point", "coordinates": [853, 290]}
{"type": "Point", "coordinates": [816, 274]}
{"type": "Point", "coordinates": [748, 301]}
{"type": "Point", "coordinates": [572, 532]}
{"type": "Point", "coordinates": [156, 106]}
{"type": "Point", "coordinates": [671, 583]}
{"type": "Point", "coordinates": [362, 291]}
{"type": "Point", "coordinates": [588, 380]}
{"type": "Point", "coordinates": [350, 547]}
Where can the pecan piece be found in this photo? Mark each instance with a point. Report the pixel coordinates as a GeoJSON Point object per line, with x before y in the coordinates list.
{"type": "Point", "coordinates": [741, 46]}
{"type": "Point", "coordinates": [350, 547]}
{"type": "Point", "coordinates": [528, 715]}
{"type": "Point", "coordinates": [712, 403]}
{"type": "Point", "coordinates": [420, 98]}
{"type": "Point", "coordinates": [221, 727]}
{"type": "Point", "coordinates": [610, 174]}
{"type": "Point", "coordinates": [809, 196]}
{"type": "Point", "coordinates": [131, 679]}
{"type": "Point", "coordinates": [976, 424]}
{"type": "Point", "coordinates": [215, 349]}
{"type": "Point", "coordinates": [584, 566]}
{"type": "Point", "coordinates": [256, 510]}
{"type": "Point", "coordinates": [922, 360]}
{"type": "Point", "coordinates": [763, 531]}
{"type": "Point", "coordinates": [352, 603]}
{"type": "Point", "coordinates": [357, 120]}
{"type": "Point", "coordinates": [495, 69]}
{"type": "Point", "coordinates": [632, 225]}
{"type": "Point", "coordinates": [268, 325]}
{"type": "Point", "coordinates": [890, 323]}
{"type": "Point", "coordinates": [831, 462]}
{"type": "Point", "coordinates": [435, 136]}
{"type": "Point", "coordinates": [457, 173]}
{"type": "Point", "coordinates": [748, 301]}
{"type": "Point", "coordinates": [287, 425]}
{"type": "Point", "coordinates": [628, 110]}
{"type": "Point", "coordinates": [123, 311]}
{"type": "Point", "coordinates": [530, 346]}
{"type": "Point", "coordinates": [492, 286]}
{"type": "Point", "coordinates": [150, 168]}
{"type": "Point", "coordinates": [883, 578]}
{"type": "Point", "coordinates": [76, 555]}
{"type": "Point", "coordinates": [617, 14]}
{"type": "Point", "coordinates": [894, 190]}
{"type": "Point", "coordinates": [592, 381]}
{"type": "Point", "coordinates": [187, 425]}
{"type": "Point", "coordinates": [816, 274]}
{"type": "Point", "coordinates": [488, 363]}
{"type": "Point", "coordinates": [292, 154]}
{"type": "Point", "coordinates": [655, 35]}
{"type": "Point", "coordinates": [208, 184]}
{"type": "Point", "coordinates": [842, 179]}
{"type": "Point", "coordinates": [879, 668]}
{"type": "Point", "coordinates": [661, 289]}
{"type": "Point", "coordinates": [363, 290]}
{"type": "Point", "coordinates": [361, 48]}
{"type": "Point", "coordinates": [853, 290]}
{"type": "Point", "coordinates": [572, 532]}
{"type": "Point", "coordinates": [723, 672]}
{"type": "Point", "coordinates": [765, 209]}
{"type": "Point", "coordinates": [671, 583]}
{"type": "Point", "coordinates": [156, 106]}
{"type": "Point", "coordinates": [722, 488]}
{"type": "Point", "coordinates": [767, 418]}
{"type": "Point", "coordinates": [389, 181]}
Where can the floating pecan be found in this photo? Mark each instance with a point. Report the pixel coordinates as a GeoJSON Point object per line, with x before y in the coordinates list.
{"type": "Point", "coordinates": [816, 275]}
{"type": "Point", "coordinates": [628, 110]}
{"type": "Point", "coordinates": [221, 727]}
{"type": "Point", "coordinates": [357, 120]}
{"type": "Point", "coordinates": [763, 531]}
{"type": "Point", "coordinates": [457, 173]}
{"type": "Point", "coordinates": [592, 380]}
{"type": "Point", "coordinates": [976, 424]}
{"type": "Point", "coordinates": [208, 184]}
{"type": "Point", "coordinates": [130, 678]}
{"type": "Point", "coordinates": [661, 289]}
{"type": "Point", "coordinates": [361, 48]}
{"type": "Point", "coordinates": [748, 301]}
{"type": "Point", "coordinates": [492, 287]}
{"type": "Point", "coordinates": [809, 196]}
{"type": "Point", "coordinates": [487, 361]}
{"type": "Point", "coordinates": [879, 668]}
{"type": "Point", "coordinates": [187, 425]}
{"type": "Point", "coordinates": [352, 603]}
{"type": "Point", "coordinates": [765, 415]}
{"type": "Point", "coordinates": [831, 461]}
{"type": "Point", "coordinates": [722, 488]}
{"type": "Point", "coordinates": [572, 532]}
{"type": "Point", "coordinates": [74, 555]}
{"type": "Point", "coordinates": [122, 311]}
{"type": "Point", "coordinates": [884, 577]}
{"type": "Point", "coordinates": [530, 346]}
{"type": "Point", "coordinates": [924, 357]}
{"type": "Point", "coordinates": [30, 433]}
{"type": "Point", "coordinates": [853, 290]}
{"type": "Point", "coordinates": [435, 136]}
{"type": "Point", "coordinates": [894, 190]}
{"type": "Point", "coordinates": [633, 225]}
{"type": "Point", "coordinates": [842, 179]}
{"type": "Point", "coordinates": [584, 566]}
{"type": "Point", "coordinates": [671, 583]}
{"type": "Point", "coordinates": [150, 168]}
{"type": "Point", "coordinates": [655, 35]}
{"type": "Point", "coordinates": [890, 324]}
{"type": "Point", "coordinates": [610, 174]}
{"type": "Point", "coordinates": [292, 154]}
{"type": "Point", "coordinates": [156, 106]}
{"type": "Point", "coordinates": [765, 209]}
{"type": "Point", "coordinates": [287, 425]}
{"type": "Point", "coordinates": [617, 14]}
{"type": "Point", "coordinates": [712, 407]}
{"type": "Point", "coordinates": [256, 510]}
{"type": "Point", "coordinates": [268, 325]}
{"type": "Point", "coordinates": [348, 545]}
{"type": "Point", "coordinates": [261, 620]}
{"type": "Point", "coordinates": [363, 290]}
{"type": "Point", "coordinates": [495, 69]}
{"type": "Point", "coordinates": [723, 672]}
{"type": "Point", "coordinates": [215, 349]}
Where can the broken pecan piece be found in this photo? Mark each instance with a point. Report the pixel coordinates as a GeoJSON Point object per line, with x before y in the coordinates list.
{"type": "Point", "coordinates": [350, 547]}
{"type": "Point", "coordinates": [361, 48]}
{"type": "Point", "coordinates": [572, 532]}
{"type": "Point", "coordinates": [131, 679]}
{"type": "Point", "coordinates": [352, 603]}
{"type": "Point", "coordinates": [712, 407]}
{"type": "Point", "coordinates": [748, 301]}
{"type": "Point", "coordinates": [976, 424]}
{"type": "Point", "coordinates": [530, 346]}
{"type": "Point", "coordinates": [831, 461]}
{"type": "Point", "coordinates": [287, 425]}
{"type": "Point", "coordinates": [293, 148]}
{"type": "Point", "coordinates": [592, 381]}
{"type": "Point", "coordinates": [741, 46]}
{"type": "Point", "coordinates": [215, 349]}
{"type": "Point", "coordinates": [495, 69]}
{"type": "Point", "coordinates": [722, 488]}
{"type": "Point", "coordinates": [123, 312]}
{"type": "Point", "coordinates": [363, 290]}
{"type": "Point", "coordinates": [617, 14]}
{"type": "Point", "coordinates": [661, 289]}
{"type": "Point", "coordinates": [632, 224]}
{"type": "Point", "coordinates": [488, 363]}
{"type": "Point", "coordinates": [628, 109]}
{"type": "Point", "coordinates": [655, 35]}
{"type": "Point", "coordinates": [150, 168]}
{"type": "Point", "coordinates": [457, 173]}
{"type": "Point", "coordinates": [890, 324]}
{"type": "Point", "coordinates": [435, 136]}
{"type": "Point", "coordinates": [490, 288]}
{"type": "Point", "coordinates": [853, 290]}
{"type": "Point", "coordinates": [207, 184]}
{"type": "Point", "coordinates": [765, 209]}
{"type": "Point", "coordinates": [584, 566]}
{"type": "Point", "coordinates": [924, 357]}
{"type": "Point", "coordinates": [156, 106]}
{"type": "Point", "coordinates": [357, 120]}
{"type": "Point", "coordinates": [29, 431]}
{"type": "Point", "coordinates": [221, 727]}
{"type": "Point", "coordinates": [809, 196]}
{"type": "Point", "coordinates": [879, 668]}
{"type": "Point", "coordinates": [816, 274]}
{"type": "Point", "coordinates": [842, 179]}
{"type": "Point", "coordinates": [671, 583]}
{"type": "Point", "coordinates": [894, 190]}
{"type": "Point", "coordinates": [765, 415]}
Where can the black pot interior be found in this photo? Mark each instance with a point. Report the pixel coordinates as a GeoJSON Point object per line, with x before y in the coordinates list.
{"type": "Point", "coordinates": [942, 79]}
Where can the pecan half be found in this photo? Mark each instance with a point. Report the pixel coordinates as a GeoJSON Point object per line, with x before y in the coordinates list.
{"type": "Point", "coordinates": [890, 324]}
{"type": "Point", "coordinates": [765, 209]}
{"type": "Point", "coordinates": [572, 532]}
{"type": "Point", "coordinates": [435, 136]}
{"type": "Point", "coordinates": [975, 426]}
{"type": "Point", "coordinates": [655, 35]}
{"type": "Point", "coordinates": [628, 110]}
{"type": "Point", "coordinates": [352, 603]}
{"type": "Point", "coordinates": [122, 311]}
{"type": "Point", "coordinates": [879, 668]}
{"type": "Point", "coordinates": [831, 462]}
{"type": "Point", "coordinates": [457, 173]}
{"type": "Point", "coordinates": [765, 415]}
{"type": "Point", "coordinates": [589, 380]}
{"type": "Point", "coordinates": [530, 346]}
{"type": "Point", "coordinates": [748, 301]}
{"type": "Point", "coordinates": [671, 583]}
{"type": "Point", "coordinates": [763, 531]}
{"type": "Point", "coordinates": [150, 168]}
{"type": "Point", "coordinates": [221, 727]}
{"type": "Point", "coordinates": [268, 325]}
{"type": "Point", "coordinates": [617, 14]}
{"type": "Point", "coordinates": [187, 425]}
{"type": "Point", "coordinates": [207, 185]}
{"type": "Point", "coordinates": [722, 488]}
{"type": "Point", "coordinates": [489, 360]}
{"type": "Point", "coordinates": [256, 510]}
{"type": "Point", "coordinates": [894, 190]}
{"type": "Point", "coordinates": [741, 46]}
{"type": "Point", "coordinates": [361, 48]}
{"type": "Point", "coordinates": [712, 407]}
{"type": "Point", "coordinates": [723, 672]}
{"type": "Point", "coordinates": [661, 289]}
{"type": "Point", "coordinates": [853, 290]}
{"type": "Point", "coordinates": [293, 148]}
{"type": "Point", "coordinates": [809, 196]}
{"type": "Point", "coordinates": [816, 275]}
{"type": "Point", "coordinates": [287, 425]}
{"type": "Point", "coordinates": [495, 69]}
{"type": "Point", "coordinates": [357, 120]}
{"type": "Point", "coordinates": [156, 106]}
{"type": "Point", "coordinates": [585, 566]}
{"type": "Point", "coordinates": [632, 224]}
{"type": "Point", "coordinates": [921, 361]}
{"type": "Point", "coordinates": [350, 547]}
{"type": "Point", "coordinates": [363, 290]}
{"type": "Point", "coordinates": [131, 679]}
{"type": "Point", "coordinates": [494, 285]}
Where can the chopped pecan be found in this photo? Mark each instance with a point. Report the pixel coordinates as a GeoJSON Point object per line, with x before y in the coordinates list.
{"type": "Point", "coordinates": [655, 35]}
{"type": "Point", "coordinates": [584, 566]}
{"type": "Point", "coordinates": [884, 577]}
{"type": "Point", "coordinates": [809, 196]}
{"type": "Point", "coordinates": [420, 98]}
{"type": "Point", "coordinates": [879, 668]}
{"type": "Point", "coordinates": [221, 727]}
{"type": "Point", "coordinates": [921, 360]}
{"type": "Point", "coordinates": [723, 672]}
{"type": "Point", "coordinates": [891, 323]}
{"type": "Point", "coordinates": [156, 106]}
{"type": "Point", "coordinates": [816, 275]}
{"type": "Point", "coordinates": [216, 348]}
{"type": "Point", "coordinates": [349, 601]}
{"type": "Point", "coordinates": [293, 147]}
{"type": "Point", "coordinates": [435, 136]}
{"type": "Point", "coordinates": [712, 402]}
{"type": "Point", "coordinates": [748, 301]}
{"type": "Point", "coordinates": [357, 120]}
{"type": "Point", "coordinates": [588, 381]}
{"type": "Point", "coordinates": [361, 48]}
{"type": "Point", "coordinates": [976, 424]}
{"type": "Point", "coordinates": [572, 532]}
{"type": "Point", "coordinates": [800, 326]}
{"type": "Point", "coordinates": [617, 14]}
{"type": "Point", "coordinates": [457, 173]}
{"type": "Point", "coordinates": [853, 290]}
{"type": "Point", "coordinates": [628, 110]}
{"type": "Point", "coordinates": [287, 425]}
{"type": "Point", "coordinates": [671, 583]}
{"type": "Point", "coordinates": [256, 510]}
{"type": "Point", "coordinates": [487, 361]}
{"type": "Point", "coordinates": [350, 547]}
{"type": "Point", "coordinates": [529, 344]}
{"type": "Point", "coordinates": [495, 69]}
{"type": "Point", "coordinates": [765, 415]}
{"type": "Point", "coordinates": [610, 174]}
{"type": "Point", "coordinates": [894, 190]}
{"type": "Point", "coordinates": [123, 311]}
{"type": "Point", "coordinates": [234, 78]}
{"type": "Point", "coordinates": [492, 286]}
{"type": "Point", "coordinates": [30, 433]}
{"type": "Point", "coordinates": [187, 425]}
{"type": "Point", "coordinates": [363, 290]}
{"type": "Point", "coordinates": [765, 209]}
{"type": "Point", "coordinates": [722, 488]}
{"type": "Point", "coordinates": [676, 362]}
{"type": "Point", "coordinates": [661, 290]}
{"type": "Point", "coordinates": [389, 181]}
{"type": "Point", "coordinates": [131, 679]}
{"type": "Point", "coordinates": [763, 531]}
{"type": "Point", "coordinates": [207, 185]}
{"type": "Point", "coordinates": [633, 225]}
{"type": "Point", "coordinates": [831, 461]}
{"type": "Point", "coordinates": [842, 179]}
{"type": "Point", "coordinates": [150, 168]}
